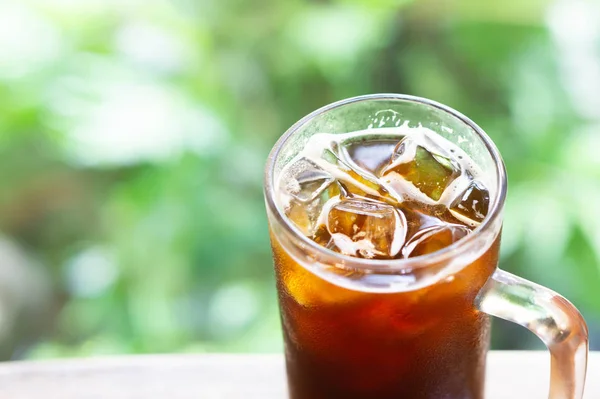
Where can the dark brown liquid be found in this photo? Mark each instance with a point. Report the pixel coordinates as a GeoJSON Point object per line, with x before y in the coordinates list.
{"type": "Point", "coordinates": [428, 343]}
{"type": "Point", "coordinates": [425, 344]}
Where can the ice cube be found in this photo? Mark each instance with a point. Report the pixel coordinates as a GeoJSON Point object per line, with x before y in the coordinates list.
{"type": "Point", "coordinates": [427, 167]}
{"type": "Point", "coordinates": [305, 181]}
{"type": "Point", "coordinates": [358, 179]}
{"type": "Point", "coordinates": [433, 239]}
{"type": "Point", "coordinates": [472, 205]}
{"type": "Point", "coordinates": [367, 228]}
{"type": "Point", "coordinates": [308, 215]}
{"type": "Point", "coordinates": [305, 188]}
{"type": "Point", "coordinates": [368, 157]}
{"type": "Point", "coordinates": [322, 161]}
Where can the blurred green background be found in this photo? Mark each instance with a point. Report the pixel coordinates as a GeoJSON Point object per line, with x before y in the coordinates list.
{"type": "Point", "coordinates": [133, 136]}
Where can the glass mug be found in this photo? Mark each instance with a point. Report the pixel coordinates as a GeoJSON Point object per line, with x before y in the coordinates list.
{"type": "Point", "coordinates": [411, 328]}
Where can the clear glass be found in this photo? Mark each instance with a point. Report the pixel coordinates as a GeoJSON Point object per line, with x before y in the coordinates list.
{"type": "Point", "coordinates": [410, 328]}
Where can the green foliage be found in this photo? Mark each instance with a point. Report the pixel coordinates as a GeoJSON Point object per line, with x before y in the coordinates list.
{"type": "Point", "coordinates": [133, 137]}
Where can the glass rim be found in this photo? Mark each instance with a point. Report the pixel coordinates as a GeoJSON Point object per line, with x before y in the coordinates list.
{"type": "Point", "coordinates": [419, 262]}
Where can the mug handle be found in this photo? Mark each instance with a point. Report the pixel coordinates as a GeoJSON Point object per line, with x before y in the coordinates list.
{"type": "Point", "coordinates": [549, 316]}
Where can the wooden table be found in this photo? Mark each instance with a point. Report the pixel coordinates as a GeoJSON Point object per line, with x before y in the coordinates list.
{"type": "Point", "coordinates": [511, 375]}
